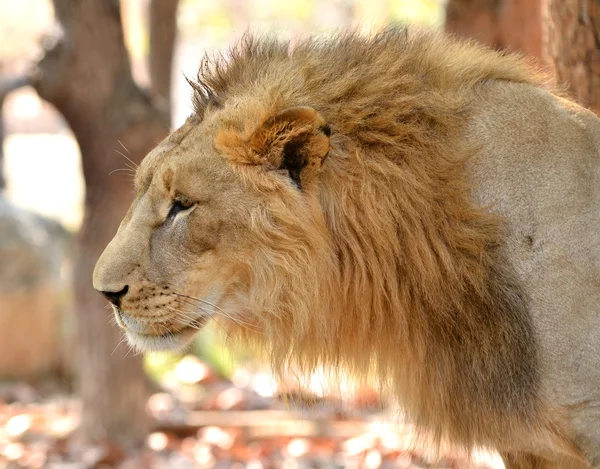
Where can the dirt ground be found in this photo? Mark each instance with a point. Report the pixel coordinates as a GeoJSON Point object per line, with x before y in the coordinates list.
{"type": "Point", "coordinates": [202, 421]}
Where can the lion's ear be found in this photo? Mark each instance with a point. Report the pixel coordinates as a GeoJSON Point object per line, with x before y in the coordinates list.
{"type": "Point", "coordinates": [293, 139]}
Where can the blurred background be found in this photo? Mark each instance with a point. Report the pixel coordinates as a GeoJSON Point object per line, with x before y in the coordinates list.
{"type": "Point", "coordinates": [87, 88]}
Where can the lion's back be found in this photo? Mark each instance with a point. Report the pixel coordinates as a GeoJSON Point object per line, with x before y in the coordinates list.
{"type": "Point", "coordinates": [539, 167]}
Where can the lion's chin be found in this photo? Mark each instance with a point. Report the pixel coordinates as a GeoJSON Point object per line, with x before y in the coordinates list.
{"type": "Point", "coordinates": [175, 341]}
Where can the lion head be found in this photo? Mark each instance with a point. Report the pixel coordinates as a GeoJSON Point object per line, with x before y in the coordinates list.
{"type": "Point", "coordinates": [206, 198]}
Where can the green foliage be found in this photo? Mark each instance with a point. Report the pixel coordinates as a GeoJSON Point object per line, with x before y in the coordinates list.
{"type": "Point", "coordinates": [158, 364]}
{"type": "Point", "coordinates": [211, 346]}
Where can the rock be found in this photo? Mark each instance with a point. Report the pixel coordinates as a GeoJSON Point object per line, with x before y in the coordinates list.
{"type": "Point", "coordinates": [32, 291]}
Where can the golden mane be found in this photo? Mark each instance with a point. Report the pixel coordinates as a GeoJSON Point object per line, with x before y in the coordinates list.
{"type": "Point", "coordinates": [356, 67]}
{"type": "Point", "coordinates": [394, 271]}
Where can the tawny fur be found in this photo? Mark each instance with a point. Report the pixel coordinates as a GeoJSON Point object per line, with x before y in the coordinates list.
{"type": "Point", "coordinates": [389, 269]}
{"type": "Point", "coordinates": [367, 253]}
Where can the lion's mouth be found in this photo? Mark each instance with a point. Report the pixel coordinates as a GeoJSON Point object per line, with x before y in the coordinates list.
{"type": "Point", "coordinates": [169, 340]}
{"type": "Point", "coordinates": [151, 338]}
{"type": "Point", "coordinates": [175, 341]}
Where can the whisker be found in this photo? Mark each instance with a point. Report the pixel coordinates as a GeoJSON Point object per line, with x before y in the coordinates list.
{"type": "Point", "coordinates": [131, 167]}
{"type": "Point", "coordinates": [190, 316]}
{"type": "Point", "coordinates": [134, 351]}
{"type": "Point", "coordinates": [195, 302]}
{"type": "Point", "coordinates": [123, 339]}
{"type": "Point", "coordinates": [124, 147]}
{"type": "Point", "coordinates": [200, 300]}
{"type": "Point", "coordinates": [186, 302]}
{"type": "Point", "coordinates": [196, 307]}
{"type": "Point", "coordinates": [238, 321]}
{"type": "Point", "coordinates": [126, 170]}
{"type": "Point", "coordinates": [183, 315]}
{"type": "Point", "coordinates": [135, 166]}
{"type": "Point", "coordinates": [130, 349]}
{"type": "Point", "coordinates": [227, 333]}
{"type": "Point", "coordinates": [186, 315]}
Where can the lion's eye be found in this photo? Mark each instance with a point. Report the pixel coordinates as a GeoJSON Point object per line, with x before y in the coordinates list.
{"type": "Point", "coordinates": [178, 206]}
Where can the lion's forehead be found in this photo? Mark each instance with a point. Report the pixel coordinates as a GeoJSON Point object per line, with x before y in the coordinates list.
{"type": "Point", "coordinates": [150, 165]}
{"type": "Point", "coordinates": [192, 167]}
{"type": "Point", "coordinates": [170, 147]}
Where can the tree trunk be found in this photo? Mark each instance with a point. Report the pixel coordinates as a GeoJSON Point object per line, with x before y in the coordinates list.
{"type": "Point", "coordinates": [572, 40]}
{"type": "Point", "coordinates": [86, 75]}
{"type": "Point", "coordinates": [163, 30]}
{"type": "Point", "coordinates": [514, 25]}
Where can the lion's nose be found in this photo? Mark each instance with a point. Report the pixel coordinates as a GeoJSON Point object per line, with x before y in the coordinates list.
{"type": "Point", "coordinates": [115, 296]}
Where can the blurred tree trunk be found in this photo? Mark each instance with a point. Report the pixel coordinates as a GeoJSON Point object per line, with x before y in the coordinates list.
{"type": "Point", "coordinates": [163, 31]}
{"type": "Point", "coordinates": [86, 75]}
{"type": "Point", "coordinates": [572, 46]}
{"type": "Point", "coordinates": [515, 25]}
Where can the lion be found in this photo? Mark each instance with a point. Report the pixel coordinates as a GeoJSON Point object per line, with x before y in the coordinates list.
{"type": "Point", "coordinates": [403, 206]}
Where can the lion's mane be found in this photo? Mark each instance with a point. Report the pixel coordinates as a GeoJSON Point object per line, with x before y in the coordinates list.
{"type": "Point", "coordinates": [394, 271]}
